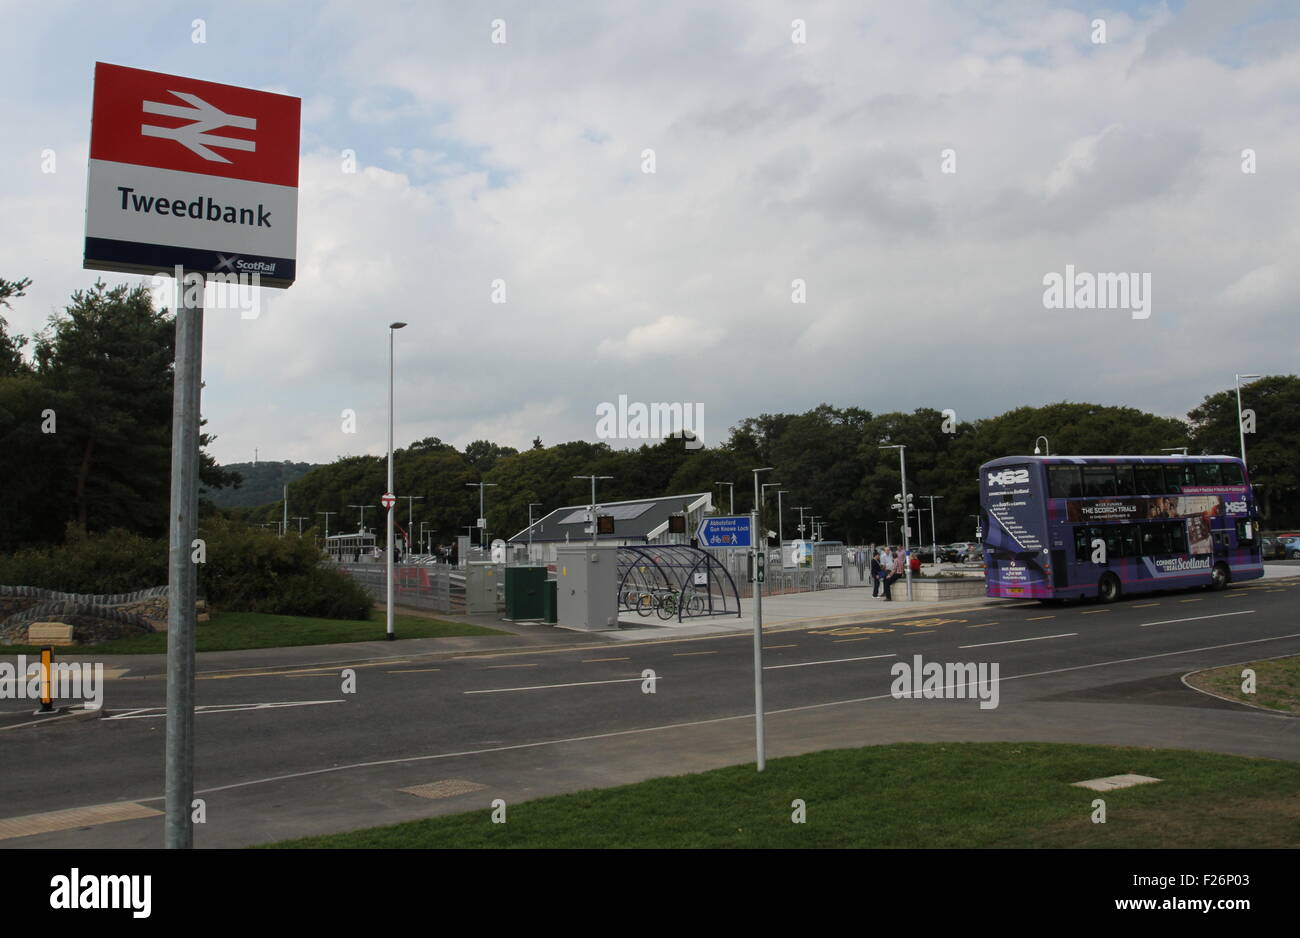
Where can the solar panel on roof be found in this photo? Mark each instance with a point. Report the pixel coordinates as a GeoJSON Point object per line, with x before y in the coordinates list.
{"type": "Point", "coordinates": [618, 512]}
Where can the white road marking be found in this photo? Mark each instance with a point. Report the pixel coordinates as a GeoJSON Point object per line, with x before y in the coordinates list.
{"type": "Point", "coordinates": [145, 714]}
{"type": "Point", "coordinates": [808, 664]}
{"type": "Point", "coordinates": [674, 726]}
{"type": "Point", "coordinates": [1218, 615]}
{"type": "Point", "coordinates": [505, 690]}
{"type": "Point", "coordinates": [1012, 641]}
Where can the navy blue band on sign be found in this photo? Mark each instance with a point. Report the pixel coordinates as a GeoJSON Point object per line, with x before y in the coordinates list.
{"type": "Point", "coordinates": [134, 257]}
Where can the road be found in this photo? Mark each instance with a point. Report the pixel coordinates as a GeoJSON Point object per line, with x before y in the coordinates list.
{"type": "Point", "coordinates": [283, 751]}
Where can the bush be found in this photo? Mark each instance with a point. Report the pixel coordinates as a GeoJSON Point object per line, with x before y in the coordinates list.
{"type": "Point", "coordinates": [113, 562]}
{"type": "Point", "coordinates": [246, 569]}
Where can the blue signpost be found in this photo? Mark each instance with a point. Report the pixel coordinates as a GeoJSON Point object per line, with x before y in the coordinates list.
{"type": "Point", "coordinates": [734, 531]}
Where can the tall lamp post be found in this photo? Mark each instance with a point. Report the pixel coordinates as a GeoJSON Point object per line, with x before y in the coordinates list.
{"type": "Point", "coordinates": [388, 554]}
{"type": "Point", "coordinates": [410, 516]}
{"type": "Point", "coordinates": [1241, 430]}
{"type": "Point", "coordinates": [759, 548]}
{"type": "Point", "coordinates": [593, 479]}
{"type": "Point", "coordinates": [530, 529]}
{"type": "Point", "coordinates": [482, 516]}
{"type": "Point", "coordinates": [801, 509]}
{"type": "Point", "coordinates": [327, 524]}
{"type": "Point", "coordinates": [361, 528]}
{"type": "Point", "coordinates": [1047, 449]}
{"type": "Point", "coordinates": [780, 518]}
{"type": "Point", "coordinates": [766, 486]}
{"type": "Point", "coordinates": [934, 543]}
{"type": "Point", "coordinates": [902, 470]}
{"type": "Point", "coordinates": [732, 486]}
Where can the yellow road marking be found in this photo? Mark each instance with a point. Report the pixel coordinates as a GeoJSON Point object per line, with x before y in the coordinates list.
{"type": "Point", "coordinates": [851, 630]}
{"type": "Point", "coordinates": [498, 667]}
{"type": "Point", "coordinates": [333, 669]}
{"type": "Point", "coordinates": [795, 645]}
{"type": "Point", "coordinates": [1144, 605]}
{"type": "Point", "coordinates": [1197, 600]}
{"type": "Point", "coordinates": [687, 654]}
{"type": "Point", "coordinates": [1039, 618]}
{"type": "Point", "coordinates": [927, 632]}
{"type": "Point", "coordinates": [590, 660]}
{"type": "Point", "coordinates": [70, 818]}
{"type": "Point", "coordinates": [837, 641]}
{"type": "Point", "coordinates": [982, 625]}
{"type": "Point", "coordinates": [1235, 595]}
{"type": "Point", "coordinates": [415, 671]}
{"type": "Point", "coordinates": [1094, 612]}
{"type": "Point", "coordinates": [928, 623]}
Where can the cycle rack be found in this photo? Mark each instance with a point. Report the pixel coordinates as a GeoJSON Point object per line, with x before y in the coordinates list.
{"type": "Point", "coordinates": [674, 567]}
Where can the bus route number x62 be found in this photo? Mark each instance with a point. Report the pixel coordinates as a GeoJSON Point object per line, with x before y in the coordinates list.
{"type": "Point", "coordinates": [1009, 477]}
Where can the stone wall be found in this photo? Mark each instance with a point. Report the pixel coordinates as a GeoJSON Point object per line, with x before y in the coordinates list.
{"type": "Point", "coordinates": [95, 619]}
{"type": "Point", "coordinates": [945, 588]}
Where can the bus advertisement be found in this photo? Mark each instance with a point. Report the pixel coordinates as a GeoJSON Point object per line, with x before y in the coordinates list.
{"type": "Point", "coordinates": [1064, 527]}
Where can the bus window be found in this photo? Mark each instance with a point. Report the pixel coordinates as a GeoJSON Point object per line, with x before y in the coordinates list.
{"type": "Point", "coordinates": [1230, 474]}
{"type": "Point", "coordinates": [1124, 483]}
{"type": "Point", "coordinates": [1176, 477]}
{"type": "Point", "coordinates": [1098, 481]}
{"type": "Point", "coordinates": [1065, 481]}
{"type": "Point", "coordinates": [1207, 473]}
{"type": "Point", "coordinates": [1132, 541]}
{"type": "Point", "coordinates": [1114, 542]}
{"type": "Point", "coordinates": [1177, 537]}
{"type": "Point", "coordinates": [1150, 480]}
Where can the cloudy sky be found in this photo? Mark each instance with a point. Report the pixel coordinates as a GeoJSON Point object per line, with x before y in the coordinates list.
{"type": "Point", "coordinates": [775, 161]}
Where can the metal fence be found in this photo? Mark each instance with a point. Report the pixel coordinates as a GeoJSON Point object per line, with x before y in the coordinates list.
{"type": "Point", "coordinates": [432, 588]}
{"type": "Point", "coordinates": [830, 566]}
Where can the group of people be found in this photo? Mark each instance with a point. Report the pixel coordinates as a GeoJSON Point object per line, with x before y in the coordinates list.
{"type": "Point", "coordinates": [888, 566]}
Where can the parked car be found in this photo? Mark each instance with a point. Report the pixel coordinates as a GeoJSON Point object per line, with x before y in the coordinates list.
{"type": "Point", "coordinates": [1290, 547]}
{"type": "Point", "coordinates": [1272, 548]}
{"type": "Point", "coordinates": [961, 552]}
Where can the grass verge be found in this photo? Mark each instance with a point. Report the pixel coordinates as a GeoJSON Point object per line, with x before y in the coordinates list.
{"type": "Point", "coordinates": [1277, 683]}
{"type": "Point", "coordinates": [944, 795]}
{"type": "Point", "coordinates": [229, 631]}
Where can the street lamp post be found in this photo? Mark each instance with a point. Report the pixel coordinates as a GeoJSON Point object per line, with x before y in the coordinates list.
{"type": "Point", "coordinates": [530, 529]}
{"type": "Point", "coordinates": [388, 554]}
{"type": "Point", "coordinates": [327, 523]}
{"type": "Point", "coordinates": [482, 516]}
{"type": "Point", "coordinates": [1241, 429]}
{"type": "Point", "coordinates": [902, 470]}
{"type": "Point", "coordinates": [300, 519]}
{"type": "Point", "coordinates": [424, 545]}
{"type": "Point", "coordinates": [780, 519]}
{"type": "Point", "coordinates": [732, 486]}
{"type": "Point", "coordinates": [759, 548]}
{"type": "Point", "coordinates": [1047, 448]}
{"type": "Point", "coordinates": [361, 528]}
{"type": "Point", "coordinates": [593, 479]}
{"type": "Point", "coordinates": [934, 543]}
{"type": "Point", "coordinates": [410, 515]}
{"type": "Point", "coordinates": [886, 524]}
{"type": "Point", "coordinates": [772, 485]}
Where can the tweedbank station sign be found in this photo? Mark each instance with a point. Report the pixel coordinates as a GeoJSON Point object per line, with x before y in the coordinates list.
{"type": "Point", "coordinates": [192, 174]}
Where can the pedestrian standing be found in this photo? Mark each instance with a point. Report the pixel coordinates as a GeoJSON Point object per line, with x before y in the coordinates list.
{"type": "Point", "coordinates": [896, 571]}
{"type": "Point", "coordinates": [875, 573]}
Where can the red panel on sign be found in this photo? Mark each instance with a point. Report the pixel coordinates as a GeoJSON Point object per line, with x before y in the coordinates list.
{"type": "Point", "coordinates": [170, 122]}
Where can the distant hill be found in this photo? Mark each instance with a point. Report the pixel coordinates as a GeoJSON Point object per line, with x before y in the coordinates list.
{"type": "Point", "coordinates": [263, 483]}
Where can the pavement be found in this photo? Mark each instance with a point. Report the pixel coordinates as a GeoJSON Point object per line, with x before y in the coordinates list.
{"type": "Point", "coordinates": [433, 726]}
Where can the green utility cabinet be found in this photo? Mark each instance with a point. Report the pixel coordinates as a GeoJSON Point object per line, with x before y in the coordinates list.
{"type": "Point", "coordinates": [552, 603]}
{"type": "Point", "coordinates": [525, 592]}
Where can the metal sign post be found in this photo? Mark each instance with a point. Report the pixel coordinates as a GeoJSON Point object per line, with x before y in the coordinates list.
{"type": "Point", "coordinates": [182, 574]}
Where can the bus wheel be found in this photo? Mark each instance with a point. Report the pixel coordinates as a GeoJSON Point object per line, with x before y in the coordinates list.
{"type": "Point", "coordinates": [1220, 577]}
{"type": "Point", "coordinates": [1108, 588]}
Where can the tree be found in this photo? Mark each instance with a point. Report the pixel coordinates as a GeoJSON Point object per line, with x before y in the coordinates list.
{"type": "Point", "coordinates": [1271, 408]}
{"type": "Point", "coordinates": [11, 347]}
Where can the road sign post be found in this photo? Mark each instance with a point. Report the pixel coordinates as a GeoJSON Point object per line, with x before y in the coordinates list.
{"type": "Point", "coordinates": [189, 179]}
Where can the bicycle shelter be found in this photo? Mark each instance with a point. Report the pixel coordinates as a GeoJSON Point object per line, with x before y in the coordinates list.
{"type": "Point", "coordinates": [675, 578]}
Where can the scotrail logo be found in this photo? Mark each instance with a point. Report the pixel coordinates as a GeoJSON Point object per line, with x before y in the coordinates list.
{"type": "Point", "coordinates": [72, 680]}
{"type": "Point", "coordinates": [930, 680]}
{"type": "Point", "coordinates": [657, 421]}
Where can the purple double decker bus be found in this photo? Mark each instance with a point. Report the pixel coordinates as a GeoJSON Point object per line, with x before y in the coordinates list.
{"type": "Point", "coordinates": [1065, 527]}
